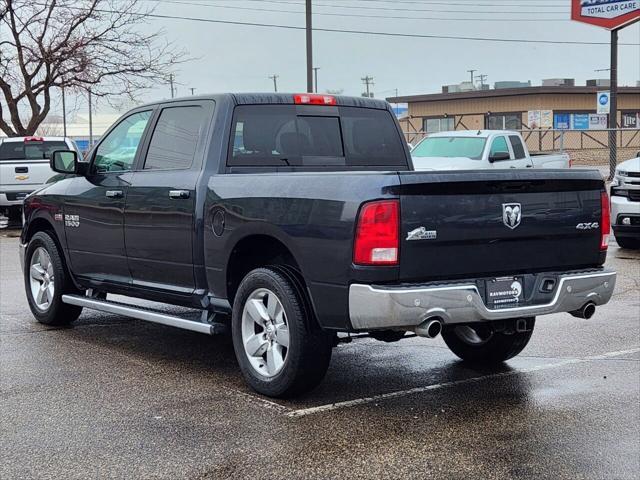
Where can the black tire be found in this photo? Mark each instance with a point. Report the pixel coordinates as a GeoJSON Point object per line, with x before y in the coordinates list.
{"type": "Point", "coordinates": [309, 352]}
{"type": "Point", "coordinates": [57, 313]}
{"type": "Point", "coordinates": [494, 346]}
{"type": "Point", "coordinates": [628, 243]}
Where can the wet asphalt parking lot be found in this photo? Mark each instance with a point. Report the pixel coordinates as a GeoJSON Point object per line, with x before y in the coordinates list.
{"type": "Point", "coordinates": [119, 398]}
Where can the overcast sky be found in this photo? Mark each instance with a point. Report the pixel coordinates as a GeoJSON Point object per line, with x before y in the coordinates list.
{"type": "Point", "coordinates": [241, 58]}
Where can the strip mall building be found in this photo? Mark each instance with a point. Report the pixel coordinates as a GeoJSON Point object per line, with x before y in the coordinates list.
{"type": "Point", "coordinates": [551, 118]}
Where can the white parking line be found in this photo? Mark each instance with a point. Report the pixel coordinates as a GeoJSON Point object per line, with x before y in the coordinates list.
{"type": "Point", "coordinates": [403, 393]}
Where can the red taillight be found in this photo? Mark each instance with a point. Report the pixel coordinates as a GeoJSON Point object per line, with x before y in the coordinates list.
{"type": "Point", "coordinates": [313, 99]}
{"type": "Point", "coordinates": [605, 221]}
{"type": "Point", "coordinates": [33, 139]}
{"type": "Point", "coordinates": [570, 161]}
{"type": "Point", "coordinates": [377, 233]}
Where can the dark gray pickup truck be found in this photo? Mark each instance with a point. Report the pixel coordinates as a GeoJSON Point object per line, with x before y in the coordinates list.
{"type": "Point", "coordinates": [289, 219]}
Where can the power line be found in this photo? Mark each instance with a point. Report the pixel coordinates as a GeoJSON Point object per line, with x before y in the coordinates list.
{"type": "Point", "coordinates": [471, 3]}
{"type": "Point", "coordinates": [357, 15]}
{"type": "Point", "coordinates": [367, 32]}
{"type": "Point", "coordinates": [364, 32]}
{"type": "Point", "coordinates": [396, 9]}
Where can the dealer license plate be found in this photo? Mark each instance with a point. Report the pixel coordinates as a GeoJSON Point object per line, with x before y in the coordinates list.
{"type": "Point", "coordinates": [504, 292]}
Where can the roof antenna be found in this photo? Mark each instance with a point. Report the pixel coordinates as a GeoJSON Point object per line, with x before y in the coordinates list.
{"type": "Point", "coordinates": [479, 132]}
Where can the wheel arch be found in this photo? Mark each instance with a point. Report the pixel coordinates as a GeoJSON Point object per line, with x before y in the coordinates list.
{"type": "Point", "coordinates": [44, 224]}
{"type": "Point", "coordinates": [263, 250]}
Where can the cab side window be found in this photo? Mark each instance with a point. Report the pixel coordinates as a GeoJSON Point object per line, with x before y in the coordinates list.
{"type": "Point", "coordinates": [499, 145]}
{"type": "Point", "coordinates": [117, 150]}
{"type": "Point", "coordinates": [174, 140]}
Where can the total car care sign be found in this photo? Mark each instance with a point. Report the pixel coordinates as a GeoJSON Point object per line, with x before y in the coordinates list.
{"type": "Point", "coordinates": [611, 14]}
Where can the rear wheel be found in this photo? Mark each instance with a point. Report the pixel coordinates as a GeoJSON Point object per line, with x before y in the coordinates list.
{"type": "Point", "coordinates": [482, 343]}
{"type": "Point", "coordinates": [630, 243]}
{"type": "Point", "coordinates": [46, 280]}
{"type": "Point", "coordinates": [280, 348]}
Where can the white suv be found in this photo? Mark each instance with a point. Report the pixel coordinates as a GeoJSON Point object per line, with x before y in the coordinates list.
{"type": "Point", "coordinates": [625, 204]}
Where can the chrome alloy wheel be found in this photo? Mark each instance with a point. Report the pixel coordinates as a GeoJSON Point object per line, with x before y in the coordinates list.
{"type": "Point", "coordinates": [265, 333]}
{"type": "Point", "coordinates": [473, 336]}
{"type": "Point", "coordinates": [41, 279]}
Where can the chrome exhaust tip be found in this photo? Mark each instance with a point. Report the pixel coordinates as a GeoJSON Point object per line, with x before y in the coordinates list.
{"type": "Point", "coordinates": [430, 328]}
{"type": "Point", "coordinates": [586, 311]}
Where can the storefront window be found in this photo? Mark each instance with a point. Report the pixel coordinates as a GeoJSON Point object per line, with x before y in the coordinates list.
{"type": "Point", "coordinates": [435, 125]}
{"type": "Point", "coordinates": [507, 121]}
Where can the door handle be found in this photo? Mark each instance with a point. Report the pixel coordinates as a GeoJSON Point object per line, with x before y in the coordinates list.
{"type": "Point", "coordinates": [529, 166]}
{"type": "Point", "coordinates": [179, 193]}
{"type": "Point", "coordinates": [113, 193]}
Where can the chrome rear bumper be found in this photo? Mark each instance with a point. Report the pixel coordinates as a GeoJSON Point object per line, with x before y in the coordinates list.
{"type": "Point", "coordinates": [380, 307]}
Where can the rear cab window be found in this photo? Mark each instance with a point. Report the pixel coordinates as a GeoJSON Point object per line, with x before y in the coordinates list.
{"type": "Point", "coordinates": [314, 136]}
{"type": "Point", "coordinates": [518, 148]}
{"type": "Point", "coordinates": [30, 149]}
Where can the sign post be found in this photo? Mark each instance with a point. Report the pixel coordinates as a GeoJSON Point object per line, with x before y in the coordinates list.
{"type": "Point", "coordinates": [612, 15]}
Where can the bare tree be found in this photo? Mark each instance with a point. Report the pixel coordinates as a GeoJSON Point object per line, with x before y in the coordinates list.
{"type": "Point", "coordinates": [99, 45]}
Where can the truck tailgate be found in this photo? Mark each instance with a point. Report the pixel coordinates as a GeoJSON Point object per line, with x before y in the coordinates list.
{"type": "Point", "coordinates": [29, 174]}
{"type": "Point", "coordinates": [482, 223]}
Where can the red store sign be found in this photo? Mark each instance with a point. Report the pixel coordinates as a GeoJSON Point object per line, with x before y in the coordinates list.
{"type": "Point", "coordinates": [610, 14]}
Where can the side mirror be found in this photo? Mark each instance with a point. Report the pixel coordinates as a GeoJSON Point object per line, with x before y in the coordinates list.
{"type": "Point", "coordinates": [499, 156]}
{"type": "Point", "coordinates": [64, 161]}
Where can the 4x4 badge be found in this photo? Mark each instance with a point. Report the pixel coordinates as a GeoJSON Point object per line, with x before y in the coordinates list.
{"type": "Point", "coordinates": [511, 214]}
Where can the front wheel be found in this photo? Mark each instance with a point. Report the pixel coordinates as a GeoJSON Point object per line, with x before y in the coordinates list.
{"type": "Point", "coordinates": [280, 348]}
{"type": "Point", "coordinates": [483, 343]}
{"type": "Point", "coordinates": [46, 280]}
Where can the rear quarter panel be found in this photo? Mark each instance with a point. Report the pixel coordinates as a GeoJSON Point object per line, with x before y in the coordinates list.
{"type": "Point", "coordinates": [313, 214]}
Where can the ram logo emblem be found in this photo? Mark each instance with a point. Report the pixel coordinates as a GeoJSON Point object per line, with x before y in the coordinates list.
{"type": "Point", "coordinates": [511, 214]}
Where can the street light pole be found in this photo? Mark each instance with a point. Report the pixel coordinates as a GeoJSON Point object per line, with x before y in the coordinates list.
{"type": "Point", "coordinates": [613, 105]}
{"type": "Point", "coordinates": [64, 114]}
{"type": "Point", "coordinates": [315, 79]}
{"type": "Point", "coordinates": [309, 47]}
{"type": "Point", "coordinates": [90, 121]}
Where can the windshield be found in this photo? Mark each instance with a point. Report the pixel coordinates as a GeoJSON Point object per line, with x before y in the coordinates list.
{"type": "Point", "coordinates": [449, 147]}
{"type": "Point", "coordinates": [34, 150]}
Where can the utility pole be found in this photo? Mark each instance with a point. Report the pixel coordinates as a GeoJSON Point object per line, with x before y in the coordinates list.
{"type": "Point", "coordinates": [368, 81]}
{"type": "Point", "coordinates": [396, 101]}
{"type": "Point", "coordinates": [193, 89]}
{"type": "Point", "coordinates": [309, 29]}
{"type": "Point", "coordinates": [64, 115]}
{"type": "Point", "coordinates": [613, 103]}
{"type": "Point", "coordinates": [482, 78]}
{"type": "Point", "coordinates": [90, 121]}
{"type": "Point", "coordinates": [472, 72]}
{"type": "Point", "coordinates": [274, 77]}
{"type": "Point", "coordinates": [171, 83]}
{"type": "Point", "coordinates": [315, 78]}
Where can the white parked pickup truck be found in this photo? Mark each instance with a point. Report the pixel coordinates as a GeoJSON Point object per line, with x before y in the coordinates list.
{"type": "Point", "coordinates": [24, 167]}
{"type": "Point", "coordinates": [480, 149]}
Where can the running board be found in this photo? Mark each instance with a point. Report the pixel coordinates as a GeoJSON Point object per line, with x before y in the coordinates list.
{"type": "Point", "coordinates": [140, 313]}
